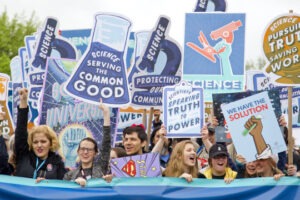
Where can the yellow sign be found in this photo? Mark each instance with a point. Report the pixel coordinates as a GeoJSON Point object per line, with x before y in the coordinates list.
{"type": "Point", "coordinates": [281, 47]}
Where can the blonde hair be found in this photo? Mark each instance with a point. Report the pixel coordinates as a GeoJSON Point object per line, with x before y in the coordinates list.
{"type": "Point", "coordinates": [175, 167]}
{"type": "Point", "coordinates": [49, 133]}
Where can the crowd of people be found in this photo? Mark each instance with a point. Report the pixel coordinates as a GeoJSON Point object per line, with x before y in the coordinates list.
{"type": "Point", "coordinates": [33, 153]}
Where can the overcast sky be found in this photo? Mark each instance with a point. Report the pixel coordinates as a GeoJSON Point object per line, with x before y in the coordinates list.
{"type": "Point", "coordinates": [144, 13]}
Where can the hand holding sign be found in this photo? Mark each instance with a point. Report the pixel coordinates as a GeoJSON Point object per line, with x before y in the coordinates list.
{"type": "Point", "coordinates": [204, 133]}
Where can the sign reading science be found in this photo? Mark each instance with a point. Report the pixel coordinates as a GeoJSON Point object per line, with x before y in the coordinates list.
{"type": "Point", "coordinates": [281, 45]}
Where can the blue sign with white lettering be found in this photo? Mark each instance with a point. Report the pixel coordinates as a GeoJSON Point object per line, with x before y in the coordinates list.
{"type": "Point", "coordinates": [157, 66]}
{"type": "Point", "coordinates": [183, 109]}
{"type": "Point", "coordinates": [101, 73]}
{"type": "Point", "coordinates": [214, 52]}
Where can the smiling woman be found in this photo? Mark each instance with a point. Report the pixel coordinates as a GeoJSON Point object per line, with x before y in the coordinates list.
{"type": "Point", "coordinates": [183, 162]}
{"type": "Point", "coordinates": [88, 150]}
{"type": "Point", "coordinates": [218, 165]}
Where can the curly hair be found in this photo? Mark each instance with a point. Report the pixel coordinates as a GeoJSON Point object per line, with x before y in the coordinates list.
{"type": "Point", "coordinates": [49, 133]}
{"type": "Point", "coordinates": [175, 167]}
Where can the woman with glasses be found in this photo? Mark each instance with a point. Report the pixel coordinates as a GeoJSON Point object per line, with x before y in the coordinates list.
{"type": "Point", "coordinates": [88, 150]}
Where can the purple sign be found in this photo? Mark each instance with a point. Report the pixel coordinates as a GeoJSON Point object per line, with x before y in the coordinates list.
{"type": "Point", "coordinates": [145, 165]}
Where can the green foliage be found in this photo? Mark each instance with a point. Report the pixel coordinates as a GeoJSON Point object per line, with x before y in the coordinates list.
{"type": "Point", "coordinates": [12, 33]}
{"type": "Point", "coordinates": [259, 64]}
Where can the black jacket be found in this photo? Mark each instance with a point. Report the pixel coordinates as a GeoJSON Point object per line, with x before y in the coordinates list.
{"type": "Point", "coordinates": [5, 167]}
{"type": "Point", "coordinates": [101, 166]}
{"type": "Point", "coordinates": [26, 160]}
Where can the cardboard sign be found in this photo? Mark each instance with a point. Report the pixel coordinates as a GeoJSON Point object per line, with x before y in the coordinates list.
{"type": "Point", "coordinates": [253, 124]}
{"type": "Point", "coordinates": [257, 80]}
{"type": "Point", "coordinates": [210, 5]}
{"type": "Point", "coordinates": [126, 118]}
{"type": "Point", "coordinates": [208, 109]}
{"type": "Point", "coordinates": [71, 119]}
{"type": "Point", "coordinates": [281, 47]}
{"type": "Point", "coordinates": [6, 125]}
{"type": "Point", "coordinates": [48, 44]}
{"type": "Point", "coordinates": [79, 38]}
{"type": "Point", "coordinates": [145, 165]}
{"type": "Point", "coordinates": [183, 110]}
{"type": "Point", "coordinates": [158, 66]}
{"type": "Point", "coordinates": [219, 99]}
{"type": "Point", "coordinates": [214, 52]}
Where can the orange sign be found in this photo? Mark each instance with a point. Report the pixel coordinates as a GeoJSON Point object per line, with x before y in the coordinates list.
{"type": "Point", "coordinates": [6, 125]}
{"type": "Point", "coordinates": [281, 47]}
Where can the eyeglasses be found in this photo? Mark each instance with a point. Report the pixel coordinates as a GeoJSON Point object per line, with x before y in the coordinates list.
{"type": "Point", "coordinates": [84, 149]}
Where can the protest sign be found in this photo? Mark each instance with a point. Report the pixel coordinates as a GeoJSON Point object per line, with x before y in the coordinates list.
{"type": "Point", "coordinates": [144, 165]}
{"type": "Point", "coordinates": [281, 48]}
{"type": "Point", "coordinates": [71, 119]}
{"type": "Point", "coordinates": [183, 110]}
{"type": "Point", "coordinates": [6, 125]}
{"type": "Point", "coordinates": [213, 60]}
{"type": "Point", "coordinates": [210, 5]}
{"type": "Point", "coordinates": [257, 80]}
{"type": "Point", "coordinates": [223, 98]}
{"type": "Point", "coordinates": [48, 44]}
{"type": "Point", "coordinates": [101, 72]}
{"type": "Point", "coordinates": [158, 65]}
{"type": "Point", "coordinates": [253, 124]}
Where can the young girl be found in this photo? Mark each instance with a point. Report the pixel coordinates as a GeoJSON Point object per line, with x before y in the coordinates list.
{"type": "Point", "coordinates": [183, 162]}
{"type": "Point", "coordinates": [218, 165]}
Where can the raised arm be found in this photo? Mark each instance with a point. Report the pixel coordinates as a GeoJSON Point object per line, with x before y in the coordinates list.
{"type": "Point", "coordinates": [162, 132]}
{"type": "Point", "coordinates": [205, 140]}
{"type": "Point", "coordinates": [21, 134]}
{"type": "Point", "coordinates": [106, 139]}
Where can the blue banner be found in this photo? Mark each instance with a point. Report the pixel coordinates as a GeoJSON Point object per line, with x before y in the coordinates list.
{"type": "Point", "coordinates": [151, 188]}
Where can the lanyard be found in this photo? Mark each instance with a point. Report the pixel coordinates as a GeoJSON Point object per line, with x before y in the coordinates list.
{"type": "Point", "coordinates": [37, 167]}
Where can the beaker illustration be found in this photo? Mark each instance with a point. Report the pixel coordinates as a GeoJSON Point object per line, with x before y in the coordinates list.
{"type": "Point", "coordinates": [101, 72]}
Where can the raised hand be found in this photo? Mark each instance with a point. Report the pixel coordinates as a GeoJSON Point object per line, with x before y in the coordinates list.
{"type": "Point", "coordinates": [106, 113]}
{"type": "Point", "coordinates": [23, 94]}
{"type": "Point", "coordinates": [204, 133]}
{"type": "Point", "coordinates": [282, 121]}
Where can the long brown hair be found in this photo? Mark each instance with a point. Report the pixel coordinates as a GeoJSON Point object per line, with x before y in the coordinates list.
{"type": "Point", "coordinates": [175, 167]}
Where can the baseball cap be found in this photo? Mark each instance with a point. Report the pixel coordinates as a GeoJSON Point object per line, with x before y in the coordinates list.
{"type": "Point", "coordinates": [217, 149]}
